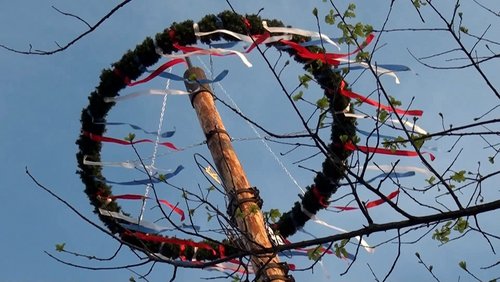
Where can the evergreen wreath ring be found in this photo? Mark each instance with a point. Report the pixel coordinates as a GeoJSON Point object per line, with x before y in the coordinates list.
{"type": "Point", "coordinates": [133, 64]}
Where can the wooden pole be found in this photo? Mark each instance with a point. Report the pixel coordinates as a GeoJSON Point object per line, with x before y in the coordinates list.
{"type": "Point", "coordinates": [248, 217]}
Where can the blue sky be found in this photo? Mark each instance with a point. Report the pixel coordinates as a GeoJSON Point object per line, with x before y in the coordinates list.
{"type": "Point", "coordinates": [42, 97]}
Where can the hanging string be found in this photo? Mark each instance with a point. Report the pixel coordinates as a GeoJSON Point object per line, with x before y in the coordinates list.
{"type": "Point", "coordinates": [155, 150]}
{"type": "Point", "coordinates": [263, 140]}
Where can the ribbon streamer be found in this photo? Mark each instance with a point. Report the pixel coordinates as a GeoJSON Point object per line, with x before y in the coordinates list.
{"type": "Point", "coordinates": [190, 51]}
{"type": "Point", "coordinates": [329, 58]}
{"type": "Point", "coordinates": [175, 77]}
{"type": "Point", "coordinates": [141, 197]}
{"type": "Point", "coordinates": [166, 134]}
{"type": "Point", "coordinates": [162, 92]}
{"type": "Point", "coordinates": [392, 174]}
{"type": "Point", "coordinates": [126, 164]}
{"type": "Point", "coordinates": [147, 181]}
{"type": "Point", "coordinates": [242, 37]}
{"type": "Point", "coordinates": [158, 230]}
{"type": "Point", "coordinates": [314, 218]}
{"type": "Point", "coordinates": [153, 228]}
{"type": "Point", "coordinates": [213, 174]}
{"type": "Point", "coordinates": [407, 124]}
{"type": "Point", "coordinates": [366, 149]}
{"type": "Point", "coordinates": [176, 241]}
{"type": "Point", "coordinates": [388, 67]}
{"type": "Point", "coordinates": [144, 226]}
{"type": "Point", "coordinates": [99, 138]}
{"type": "Point", "coordinates": [158, 71]}
{"type": "Point", "coordinates": [298, 31]}
{"type": "Point", "coordinates": [390, 138]}
{"type": "Point", "coordinates": [369, 204]}
{"type": "Point", "coordinates": [398, 168]}
{"type": "Point", "coordinates": [374, 103]}
{"type": "Point", "coordinates": [379, 70]}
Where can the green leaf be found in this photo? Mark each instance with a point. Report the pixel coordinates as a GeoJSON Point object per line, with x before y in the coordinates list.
{"type": "Point", "coordinates": [464, 29]}
{"type": "Point", "coordinates": [60, 247]}
{"type": "Point", "coordinates": [491, 160]}
{"type": "Point", "coordinates": [162, 177]}
{"type": "Point", "coordinates": [209, 216]}
{"type": "Point", "coordinates": [383, 115]}
{"type": "Point", "coordinates": [297, 96]}
{"type": "Point", "coordinates": [323, 103]}
{"type": "Point", "coordinates": [418, 3]}
{"type": "Point", "coordinates": [431, 180]}
{"type": "Point", "coordinates": [304, 79]}
{"type": "Point", "coordinates": [463, 265]}
{"type": "Point", "coordinates": [254, 209]}
{"type": "Point", "coordinates": [330, 18]}
{"type": "Point", "coordinates": [458, 176]}
{"type": "Point", "coordinates": [461, 225]}
{"type": "Point", "coordinates": [192, 77]}
{"type": "Point", "coordinates": [362, 56]}
{"type": "Point", "coordinates": [443, 235]}
{"type": "Point", "coordinates": [314, 254]}
{"type": "Point", "coordinates": [130, 137]}
{"type": "Point", "coordinates": [131, 279]}
{"type": "Point", "coordinates": [274, 215]}
{"type": "Point", "coordinates": [343, 138]}
{"type": "Point", "coordinates": [191, 212]}
{"type": "Point", "coordinates": [236, 278]}
{"type": "Point", "coordinates": [394, 101]}
{"type": "Point", "coordinates": [239, 213]}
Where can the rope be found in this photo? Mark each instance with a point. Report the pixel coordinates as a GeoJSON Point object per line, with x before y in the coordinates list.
{"type": "Point", "coordinates": [155, 150]}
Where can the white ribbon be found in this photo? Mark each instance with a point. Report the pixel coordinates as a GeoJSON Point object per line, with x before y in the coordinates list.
{"type": "Point", "coordinates": [162, 92]}
{"type": "Point", "coordinates": [378, 70]}
{"type": "Point", "coordinates": [388, 168]}
{"type": "Point", "coordinates": [211, 172]}
{"type": "Point", "coordinates": [406, 123]}
{"type": "Point", "coordinates": [131, 220]}
{"type": "Point", "coordinates": [298, 31]}
{"type": "Point", "coordinates": [239, 36]}
{"type": "Point", "coordinates": [213, 51]}
{"type": "Point", "coordinates": [126, 164]}
{"type": "Point", "coordinates": [314, 218]}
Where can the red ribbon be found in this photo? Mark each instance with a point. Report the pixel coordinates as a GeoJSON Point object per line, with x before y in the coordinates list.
{"type": "Point", "coordinates": [99, 138]}
{"type": "Point", "coordinates": [157, 71]}
{"type": "Point", "coordinates": [321, 199]}
{"type": "Point", "coordinates": [222, 253]}
{"type": "Point", "coordinates": [141, 197]}
{"type": "Point", "coordinates": [329, 58]}
{"type": "Point", "coordinates": [364, 149]}
{"type": "Point", "coordinates": [258, 39]}
{"type": "Point", "coordinates": [370, 204]}
{"type": "Point", "coordinates": [364, 99]}
{"type": "Point", "coordinates": [175, 241]}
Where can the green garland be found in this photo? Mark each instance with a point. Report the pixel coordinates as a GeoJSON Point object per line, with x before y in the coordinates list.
{"type": "Point", "coordinates": [132, 65]}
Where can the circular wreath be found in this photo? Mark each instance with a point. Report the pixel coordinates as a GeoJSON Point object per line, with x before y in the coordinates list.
{"type": "Point", "coordinates": [132, 65]}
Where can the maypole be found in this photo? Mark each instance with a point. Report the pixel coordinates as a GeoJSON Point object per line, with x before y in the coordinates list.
{"type": "Point", "coordinates": [244, 201]}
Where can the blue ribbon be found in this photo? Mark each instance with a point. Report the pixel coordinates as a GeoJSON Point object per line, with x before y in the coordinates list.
{"type": "Point", "coordinates": [165, 134]}
{"type": "Point", "coordinates": [147, 181]}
